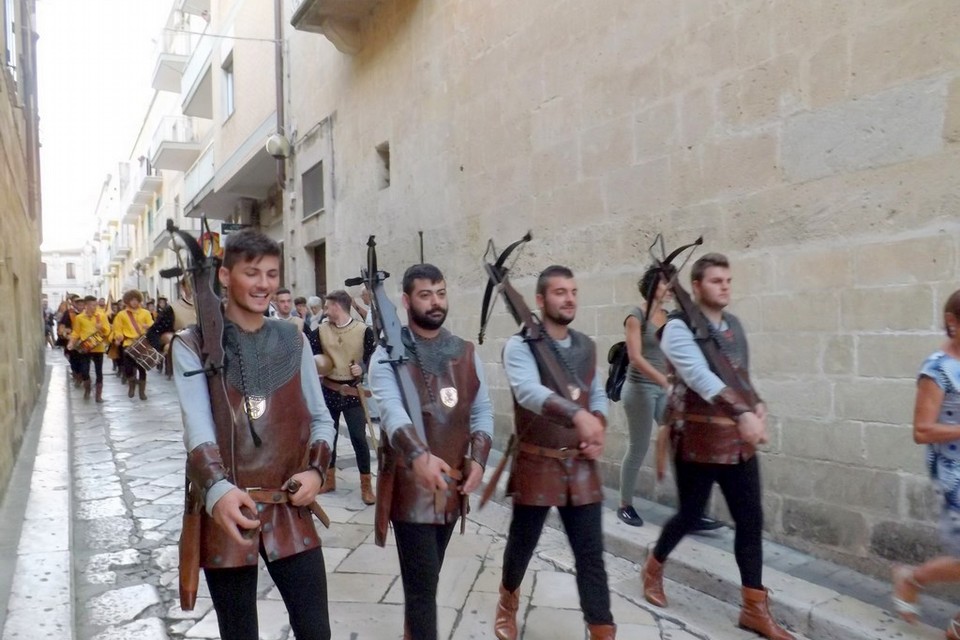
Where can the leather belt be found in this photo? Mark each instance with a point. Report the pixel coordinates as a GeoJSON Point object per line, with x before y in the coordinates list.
{"type": "Point", "coordinates": [545, 452]}
{"type": "Point", "coordinates": [344, 388]}
{"type": "Point", "coordinates": [701, 419]}
{"type": "Point", "coordinates": [279, 496]}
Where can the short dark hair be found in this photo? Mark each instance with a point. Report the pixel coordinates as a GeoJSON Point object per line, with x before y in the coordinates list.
{"type": "Point", "coordinates": [649, 280]}
{"type": "Point", "coordinates": [281, 291]}
{"type": "Point", "coordinates": [553, 271]}
{"type": "Point", "coordinates": [90, 298]}
{"type": "Point", "coordinates": [131, 295]}
{"type": "Point", "coordinates": [299, 300]}
{"type": "Point", "coordinates": [423, 271]}
{"type": "Point", "coordinates": [705, 262]}
{"type": "Point", "coordinates": [952, 306]}
{"type": "Point", "coordinates": [248, 245]}
{"type": "Point", "coordinates": [341, 297]}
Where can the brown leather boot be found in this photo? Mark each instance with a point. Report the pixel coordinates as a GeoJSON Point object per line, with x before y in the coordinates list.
{"type": "Point", "coordinates": [330, 483]}
{"type": "Point", "coordinates": [505, 626]}
{"type": "Point", "coordinates": [602, 631]}
{"type": "Point", "coordinates": [86, 389]}
{"type": "Point", "coordinates": [143, 389]}
{"type": "Point", "coordinates": [366, 489]}
{"type": "Point", "coordinates": [653, 582]}
{"type": "Point", "coordinates": [131, 388]}
{"type": "Point", "coordinates": [755, 615]}
{"type": "Point", "coordinates": [99, 388]}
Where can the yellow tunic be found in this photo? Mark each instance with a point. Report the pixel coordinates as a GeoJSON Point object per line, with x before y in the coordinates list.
{"type": "Point", "coordinates": [123, 326]}
{"type": "Point", "coordinates": [85, 326]}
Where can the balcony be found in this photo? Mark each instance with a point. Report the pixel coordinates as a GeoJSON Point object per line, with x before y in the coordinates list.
{"type": "Point", "coordinates": [338, 20]}
{"type": "Point", "coordinates": [172, 55]}
{"type": "Point", "coordinates": [176, 143]}
{"type": "Point", "coordinates": [195, 7]}
{"type": "Point", "coordinates": [133, 212]}
{"type": "Point", "coordinates": [161, 239]}
{"type": "Point", "coordinates": [196, 84]}
{"type": "Point", "coordinates": [148, 182]}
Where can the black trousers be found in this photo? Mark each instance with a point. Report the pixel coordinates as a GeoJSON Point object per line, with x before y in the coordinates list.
{"type": "Point", "coordinates": [740, 485]}
{"type": "Point", "coordinates": [421, 548]}
{"type": "Point", "coordinates": [357, 426]}
{"type": "Point", "coordinates": [302, 581]}
{"type": "Point", "coordinates": [83, 364]}
{"type": "Point", "coordinates": [584, 531]}
{"type": "Point", "coordinates": [131, 369]}
{"type": "Point", "coordinates": [73, 357]}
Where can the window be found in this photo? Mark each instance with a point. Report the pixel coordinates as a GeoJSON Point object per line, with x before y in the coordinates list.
{"type": "Point", "coordinates": [71, 271]}
{"type": "Point", "coordinates": [43, 270]}
{"type": "Point", "coordinates": [312, 185]}
{"type": "Point", "coordinates": [228, 104]}
{"type": "Point", "coordinates": [383, 154]}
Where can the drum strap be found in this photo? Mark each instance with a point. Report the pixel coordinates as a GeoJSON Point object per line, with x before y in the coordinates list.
{"type": "Point", "coordinates": [133, 321]}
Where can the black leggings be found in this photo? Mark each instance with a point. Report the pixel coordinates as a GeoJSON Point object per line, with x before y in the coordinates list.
{"type": "Point", "coordinates": [302, 582]}
{"type": "Point", "coordinates": [84, 360]}
{"type": "Point", "coordinates": [740, 485]}
{"type": "Point", "coordinates": [357, 426]}
{"type": "Point", "coordinates": [585, 534]}
{"type": "Point", "coordinates": [131, 369]}
{"type": "Point", "coordinates": [421, 548]}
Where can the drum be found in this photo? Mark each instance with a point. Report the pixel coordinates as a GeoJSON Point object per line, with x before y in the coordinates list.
{"type": "Point", "coordinates": [91, 343]}
{"type": "Point", "coordinates": [144, 354]}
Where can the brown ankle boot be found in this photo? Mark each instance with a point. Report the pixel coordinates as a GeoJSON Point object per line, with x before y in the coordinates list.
{"type": "Point", "coordinates": [330, 483]}
{"type": "Point", "coordinates": [366, 489]}
{"type": "Point", "coordinates": [755, 616]}
{"type": "Point", "coordinates": [99, 388]}
{"type": "Point", "coordinates": [131, 388]}
{"type": "Point", "coordinates": [505, 626]}
{"type": "Point", "coordinates": [602, 631]}
{"type": "Point", "coordinates": [86, 389]}
{"type": "Point", "coordinates": [143, 389]}
{"type": "Point", "coordinates": [653, 582]}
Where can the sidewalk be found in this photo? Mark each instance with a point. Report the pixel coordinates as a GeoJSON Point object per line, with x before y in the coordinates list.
{"type": "Point", "coordinates": [100, 507]}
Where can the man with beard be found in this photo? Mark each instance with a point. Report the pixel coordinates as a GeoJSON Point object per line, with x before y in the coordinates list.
{"type": "Point", "coordinates": [717, 433]}
{"type": "Point", "coordinates": [261, 468]}
{"type": "Point", "coordinates": [346, 345]}
{"type": "Point", "coordinates": [560, 442]}
{"type": "Point", "coordinates": [432, 478]}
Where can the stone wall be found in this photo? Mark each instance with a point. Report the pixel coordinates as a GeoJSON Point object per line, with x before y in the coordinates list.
{"type": "Point", "coordinates": [21, 340]}
{"type": "Point", "coordinates": [817, 143]}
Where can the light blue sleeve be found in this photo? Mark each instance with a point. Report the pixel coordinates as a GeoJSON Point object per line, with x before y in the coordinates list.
{"type": "Point", "coordinates": [386, 393]}
{"type": "Point", "coordinates": [321, 424]}
{"type": "Point", "coordinates": [687, 358]}
{"type": "Point", "coordinates": [194, 395]}
{"type": "Point", "coordinates": [524, 376]}
{"type": "Point", "coordinates": [481, 412]}
{"type": "Point", "coordinates": [598, 397]}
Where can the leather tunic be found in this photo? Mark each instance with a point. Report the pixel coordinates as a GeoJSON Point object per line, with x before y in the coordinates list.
{"type": "Point", "coordinates": [699, 439]}
{"type": "Point", "coordinates": [284, 428]}
{"type": "Point", "coordinates": [543, 481]}
{"type": "Point", "coordinates": [448, 435]}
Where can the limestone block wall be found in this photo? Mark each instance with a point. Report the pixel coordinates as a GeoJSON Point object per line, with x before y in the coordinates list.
{"type": "Point", "coordinates": [816, 143]}
{"type": "Point", "coordinates": [21, 341]}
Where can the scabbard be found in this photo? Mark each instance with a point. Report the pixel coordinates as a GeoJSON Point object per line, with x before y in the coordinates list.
{"type": "Point", "coordinates": [386, 477]}
{"type": "Point", "coordinates": [363, 393]}
{"type": "Point", "coordinates": [189, 547]}
{"type": "Point", "coordinates": [321, 515]}
{"type": "Point", "coordinates": [491, 487]}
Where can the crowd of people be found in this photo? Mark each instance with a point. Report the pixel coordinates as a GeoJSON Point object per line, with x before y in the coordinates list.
{"type": "Point", "coordinates": [294, 365]}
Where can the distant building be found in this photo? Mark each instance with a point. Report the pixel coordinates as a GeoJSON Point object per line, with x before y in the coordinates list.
{"type": "Point", "coordinates": [67, 271]}
{"type": "Point", "coordinates": [22, 338]}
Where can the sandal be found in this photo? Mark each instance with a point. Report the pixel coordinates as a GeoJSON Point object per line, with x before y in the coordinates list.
{"type": "Point", "coordinates": [905, 589]}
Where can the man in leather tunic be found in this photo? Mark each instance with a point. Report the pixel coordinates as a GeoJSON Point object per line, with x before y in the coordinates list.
{"type": "Point", "coordinates": [280, 433]}
{"type": "Point", "coordinates": [432, 479]}
{"type": "Point", "coordinates": [561, 436]}
{"type": "Point", "coordinates": [716, 431]}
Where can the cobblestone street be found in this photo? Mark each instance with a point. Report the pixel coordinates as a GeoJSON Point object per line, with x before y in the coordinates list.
{"type": "Point", "coordinates": [126, 478]}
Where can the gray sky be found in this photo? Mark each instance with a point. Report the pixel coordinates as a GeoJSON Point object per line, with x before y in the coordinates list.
{"type": "Point", "coordinates": [95, 59]}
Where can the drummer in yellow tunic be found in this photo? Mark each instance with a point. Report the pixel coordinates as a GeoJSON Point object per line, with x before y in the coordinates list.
{"type": "Point", "coordinates": [90, 336]}
{"type": "Point", "coordinates": [130, 324]}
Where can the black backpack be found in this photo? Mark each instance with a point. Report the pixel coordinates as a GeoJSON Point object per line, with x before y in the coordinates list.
{"type": "Point", "coordinates": [619, 360]}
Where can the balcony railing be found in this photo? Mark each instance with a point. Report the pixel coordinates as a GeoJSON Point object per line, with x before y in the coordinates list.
{"type": "Point", "coordinates": [199, 176]}
{"type": "Point", "coordinates": [196, 7]}
{"type": "Point", "coordinates": [172, 54]}
{"type": "Point", "coordinates": [176, 143]}
{"type": "Point", "coordinates": [196, 84]}
{"type": "Point", "coordinates": [161, 238]}
{"type": "Point", "coordinates": [148, 181]}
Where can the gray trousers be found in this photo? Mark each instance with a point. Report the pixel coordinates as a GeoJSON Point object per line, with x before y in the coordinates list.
{"type": "Point", "coordinates": [644, 404]}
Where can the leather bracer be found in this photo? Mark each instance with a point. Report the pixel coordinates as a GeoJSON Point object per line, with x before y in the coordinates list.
{"type": "Point", "coordinates": [408, 443]}
{"type": "Point", "coordinates": [205, 466]}
{"type": "Point", "coordinates": [480, 443]}
{"type": "Point", "coordinates": [320, 458]}
{"type": "Point", "coordinates": [731, 402]}
{"type": "Point", "coordinates": [558, 409]}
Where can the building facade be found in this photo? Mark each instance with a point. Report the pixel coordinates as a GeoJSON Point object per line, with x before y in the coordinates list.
{"type": "Point", "coordinates": [817, 144]}
{"type": "Point", "coordinates": [22, 340]}
{"type": "Point", "coordinates": [67, 271]}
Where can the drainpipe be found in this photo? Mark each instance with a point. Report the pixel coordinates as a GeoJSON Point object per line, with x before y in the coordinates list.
{"type": "Point", "coordinates": [278, 72]}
